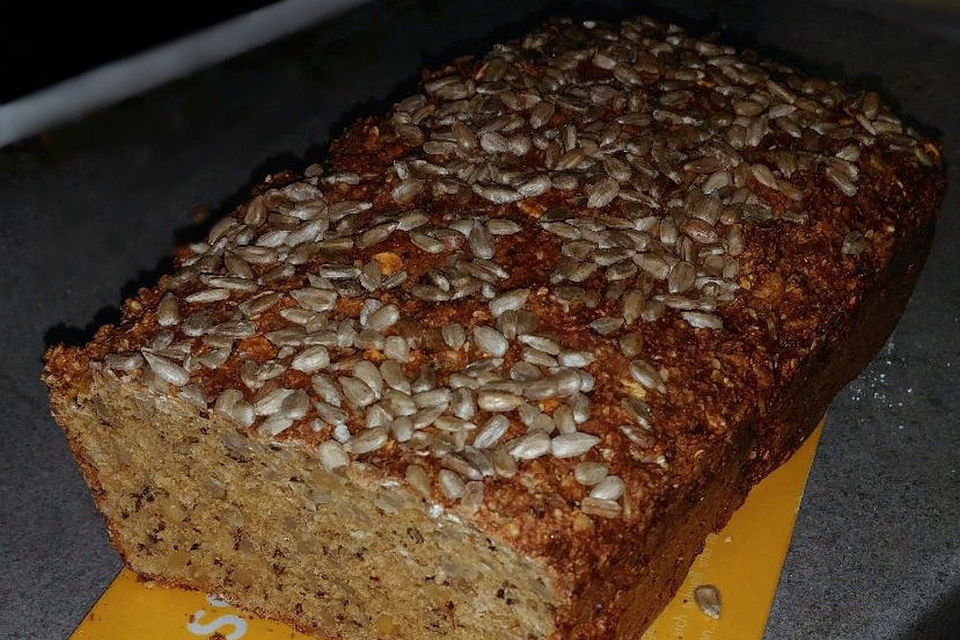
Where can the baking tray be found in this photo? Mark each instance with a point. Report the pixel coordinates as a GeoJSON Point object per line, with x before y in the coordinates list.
{"type": "Point", "coordinates": [87, 212]}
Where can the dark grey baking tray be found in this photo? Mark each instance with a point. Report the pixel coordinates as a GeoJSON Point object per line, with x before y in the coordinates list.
{"type": "Point", "coordinates": [88, 213]}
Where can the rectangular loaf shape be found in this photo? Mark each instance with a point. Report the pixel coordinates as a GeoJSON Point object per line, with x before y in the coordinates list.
{"type": "Point", "coordinates": [499, 367]}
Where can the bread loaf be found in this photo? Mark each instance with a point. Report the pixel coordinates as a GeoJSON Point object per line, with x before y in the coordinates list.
{"type": "Point", "coordinates": [499, 367]}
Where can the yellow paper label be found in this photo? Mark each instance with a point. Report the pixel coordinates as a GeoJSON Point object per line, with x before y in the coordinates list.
{"type": "Point", "coordinates": [743, 561]}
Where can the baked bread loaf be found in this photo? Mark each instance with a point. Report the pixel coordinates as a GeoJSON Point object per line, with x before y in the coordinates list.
{"type": "Point", "coordinates": [499, 367]}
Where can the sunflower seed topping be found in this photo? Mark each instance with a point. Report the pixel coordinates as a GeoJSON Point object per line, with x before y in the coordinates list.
{"type": "Point", "coordinates": [707, 597]}
{"type": "Point", "coordinates": [367, 441]}
{"type": "Point", "coordinates": [167, 314]}
{"type": "Point", "coordinates": [618, 189]}
{"type": "Point", "coordinates": [417, 478]}
{"type": "Point", "coordinates": [166, 369]}
{"type": "Point", "coordinates": [530, 446]}
{"type": "Point", "coordinates": [610, 488]}
{"type": "Point", "coordinates": [600, 507]}
{"type": "Point", "coordinates": [124, 361]}
{"type": "Point", "coordinates": [451, 485]}
{"type": "Point", "coordinates": [311, 359]}
{"type": "Point", "coordinates": [490, 341]}
{"type": "Point", "coordinates": [568, 445]}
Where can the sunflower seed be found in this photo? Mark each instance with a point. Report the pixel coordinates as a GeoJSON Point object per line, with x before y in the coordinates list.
{"type": "Point", "coordinates": [275, 425]}
{"type": "Point", "coordinates": [498, 401]}
{"type": "Point", "coordinates": [368, 339]}
{"type": "Point", "coordinates": [465, 137]}
{"type": "Point", "coordinates": [496, 195]}
{"type": "Point", "coordinates": [472, 497]}
{"type": "Point", "coordinates": [561, 384]}
{"type": "Point", "coordinates": [491, 432]}
{"type": "Point", "coordinates": [367, 441]}
{"type": "Point", "coordinates": [417, 478]}
{"type": "Point", "coordinates": [610, 488]}
{"type": "Point", "coordinates": [394, 280]}
{"type": "Point", "coordinates": [357, 392]}
{"type": "Point", "coordinates": [314, 299]}
{"type": "Point", "coordinates": [399, 403]}
{"type": "Point", "coordinates": [700, 320]}
{"type": "Point", "coordinates": [575, 358]}
{"type": "Point", "coordinates": [601, 193]}
{"type": "Point", "coordinates": [207, 295]}
{"type": "Point", "coordinates": [332, 455]}
{"type": "Point", "coordinates": [230, 283]}
{"type": "Point", "coordinates": [397, 348]}
{"type": "Point", "coordinates": [166, 369]}
{"type": "Point", "coordinates": [452, 424]}
{"type": "Point", "coordinates": [426, 379]}
{"type": "Point", "coordinates": [850, 153]}
{"type": "Point", "coordinates": [402, 428]}
{"type": "Point", "coordinates": [462, 404]}
{"type": "Point", "coordinates": [393, 375]}
{"type": "Point", "coordinates": [854, 243]}
{"type": "Point", "coordinates": [231, 404]}
{"type": "Point", "coordinates": [407, 191]}
{"type": "Point", "coordinates": [590, 473]}
{"type": "Point", "coordinates": [460, 466]}
{"type": "Point", "coordinates": [377, 416]}
{"type": "Point", "coordinates": [541, 114]}
{"type": "Point", "coordinates": [681, 277]}
{"type": "Point", "coordinates": [644, 373]}
{"type": "Point", "coordinates": [490, 341]}
{"type": "Point", "coordinates": [370, 276]}
{"type": "Point", "coordinates": [707, 597]}
{"type": "Point", "coordinates": [534, 187]}
{"type": "Point", "coordinates": [383, 318]}
{"type": "Point", "coordinates": [326, 389]}
{"type": "Point", "coordinates": [481, 241]}
{"type": "Point", "coordinates": [270, 404]}
{"type": "Point", "coordinates": [606, 326]}
{"type": "Point", "coordinates": [493, 142]}
{"type": "Point", "coordinates": [502, 227]}
{"type": "Point", "coordinates": [290, 337]}
{"type": "Point", "coordinates": [568, 445]}
{"type": "Point", "coordinates": [532, 445]}
{"type": "Point", "coordinates": [127, 361]}
{"type": "Point", "coordinates": [426, 243]}
{"type": "Point", "coordinates": [194, 394]}
{"type": "Point", "coordinates": [528, 414]}
{"type": "Point", "coordinates": [311, 360]}
{"type": "Point", "coordinates": [503, 463]}
{"type": "Point", "coordinates": [509, 301]}
{"type": "Point", "coordinates": [541, 343]}
{"type": "Point", "coordinates": [842, 181]}
{"type": "Point", "coordinates": [652, 310]}
{"type": "Point", "coordinates": [295, 405]}
{"type": "Point", "coordinates": [432, 398]}
{"type": "Point", "coordinates": [368, 373]}
{"type": "Point", "coordinates": [167, 315]}
{"type": "Point", "coordinates": [453, 335]}
{"type": "Point", "coordinates": [341, 433]}
{"type": "Point", "coordinates": [451, 485]}
{"type": "Point", "coordinates": [412, 220]}
{"type": "Point", "coordinates": [599, 507]}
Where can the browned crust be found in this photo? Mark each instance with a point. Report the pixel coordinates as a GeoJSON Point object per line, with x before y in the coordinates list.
{"type": "Point", "coordinates": [827, 371]}
{"type": "Point", "coordinates": [740, 400]}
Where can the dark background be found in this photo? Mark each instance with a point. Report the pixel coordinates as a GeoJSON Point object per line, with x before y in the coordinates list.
{"type": "Point", "coordinates": [92, 209]}
{"type": "Point", "coordinates": [45, 42]}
